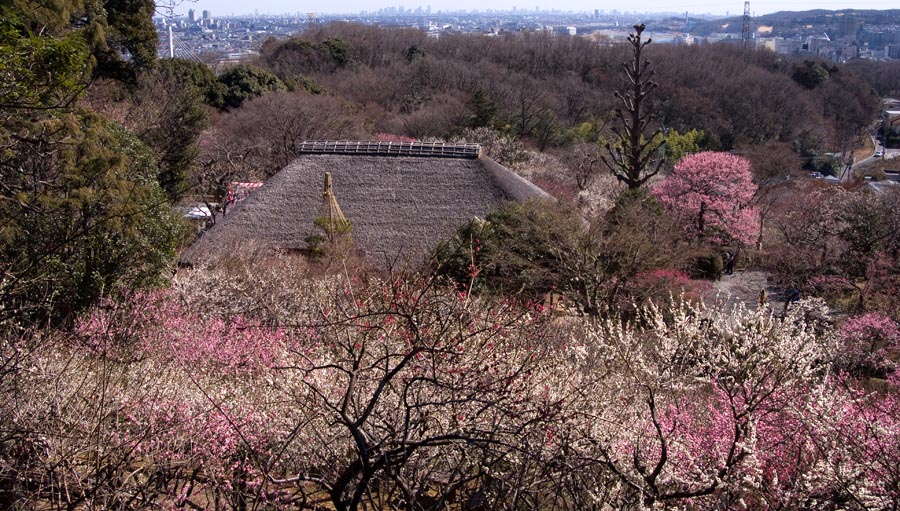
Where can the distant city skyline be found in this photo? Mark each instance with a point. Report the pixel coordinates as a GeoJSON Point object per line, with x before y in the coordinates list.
{"type": "Point", "coordinates": [717, 7]}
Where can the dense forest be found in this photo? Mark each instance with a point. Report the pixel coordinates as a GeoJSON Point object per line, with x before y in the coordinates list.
{"type": "Point", "coordinates": [563, 354]}
{"type": "Point", "coordinates": [552, 94]}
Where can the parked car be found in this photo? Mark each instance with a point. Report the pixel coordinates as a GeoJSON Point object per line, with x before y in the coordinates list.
{"type": "Point", "coordinates": [879, 153]}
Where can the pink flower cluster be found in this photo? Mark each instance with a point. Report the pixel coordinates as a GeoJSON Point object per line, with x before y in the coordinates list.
{"type": "Point", "coordinates": [870, 345]}
{"type": "Point", "coordinates": [711, 193]}
{"type": "Point", "coordinates": [157, 324]}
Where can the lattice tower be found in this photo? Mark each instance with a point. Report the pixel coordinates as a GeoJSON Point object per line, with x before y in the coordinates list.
{"type": "Point", "coordinates": [745, 32]}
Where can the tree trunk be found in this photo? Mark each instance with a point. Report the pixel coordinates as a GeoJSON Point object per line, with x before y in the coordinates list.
{"type": "Point", "coordinates": [701, 221]}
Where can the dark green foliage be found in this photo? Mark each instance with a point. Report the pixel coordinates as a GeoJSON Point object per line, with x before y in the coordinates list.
{"type": "Point", "coordinates": [245, 82]}
{"type": "Point", "coordinates": [541, 247]}
{"type": "Point", "coordinates": [130, 30]}
{"type": "Point", "coordinates": [631, 199]}
{"type": "Point", "coordinates": [808, 147]}
{"type": "Point", "coordinates": [417, 89]}
{"type": "Point", "coordinates": [119, 34]}
{"type": "Point", "coordinates": [82, 211]}
{"type": "Point", "coordinates": [39, 72]}
{"type": "Point", "coordinates": [706, 264]}
{"type": "Point", "coordinates": [892, 140]}
{"type": "Point", "coordinates": [197, 76]}
{"type": "Point", "coordinates": [291, 57]}
{"type": "Point", "coordinates": [517, 249]}
{"type": "Point", "coordinates": [303, 83]}
{"type": "Point", "coordinates": [168, 114]}
{"type": "Point", "coordinates": [332, 238]}
{"type": "Point", "coordinates": [639, 235]}
{"type": "Point", "coordinates": [338, 50]}
{"type": "Point", "coordinates": [547, 130]}
{"type": "Point", "coordinates": [295, 57]}
{"type": "Point", "coordinates": [627, 203]}
{"type": "Point", "coordinates": [81, 223]}
{"type": "Point", "coordinates": [826, 164]}
{"type": "Point", "coordinates": [414, 52]}
{"type": "Point", "coordinates": [810, 74]}
{"type": "Point", "coordinates": [51, 16]}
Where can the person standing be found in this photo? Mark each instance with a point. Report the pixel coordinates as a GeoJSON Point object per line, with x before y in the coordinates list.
{"type": "Point", "coordinates": [728, 259]}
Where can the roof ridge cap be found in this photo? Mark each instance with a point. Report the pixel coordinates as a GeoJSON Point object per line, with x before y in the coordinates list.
{"type": "Point", "coordinates": [380, 148]}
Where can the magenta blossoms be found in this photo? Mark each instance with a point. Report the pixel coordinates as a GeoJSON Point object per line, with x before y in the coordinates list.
{"type": "Point", "coordinates": [870, 345]}
{"type": "Point", "coordinates": [711, 194]}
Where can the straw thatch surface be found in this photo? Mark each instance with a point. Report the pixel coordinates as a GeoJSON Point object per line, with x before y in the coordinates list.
{"type": "Point", "coordinates": [398, 206]}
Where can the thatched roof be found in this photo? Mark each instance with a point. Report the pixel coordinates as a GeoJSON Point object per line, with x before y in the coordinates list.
{"type": "Point", "coordinates": [398, 205]}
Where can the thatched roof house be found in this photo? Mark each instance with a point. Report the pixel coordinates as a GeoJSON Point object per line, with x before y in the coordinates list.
{"type": "Point", "coordinates": [401, 198]}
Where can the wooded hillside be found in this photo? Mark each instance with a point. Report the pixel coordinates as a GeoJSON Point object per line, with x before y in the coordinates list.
{"type": "Point", "coordinates": [550, 93]}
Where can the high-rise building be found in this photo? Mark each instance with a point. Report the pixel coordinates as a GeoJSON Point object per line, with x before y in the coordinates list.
{"type": "Point", "coordinates": [206, 15]}
{"type": "Point", "coordinates": [893, 51]}
{"type": "Point", "coordinates": [848, 25]}
{"type": "Point", "coordinates": [191, 16]}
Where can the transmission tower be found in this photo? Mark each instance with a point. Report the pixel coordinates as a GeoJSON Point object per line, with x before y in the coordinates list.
{"type": "Point", "coordinates": [745, 33]}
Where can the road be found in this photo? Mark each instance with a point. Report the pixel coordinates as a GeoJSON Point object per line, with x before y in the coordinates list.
{"type": "Point", "coordinates": [889, 154]}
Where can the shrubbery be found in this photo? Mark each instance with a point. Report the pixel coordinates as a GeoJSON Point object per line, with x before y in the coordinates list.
{"type": "Point", "coordinates": [365, 390]}
{"type": "Point", "coordinates": [542, 249]}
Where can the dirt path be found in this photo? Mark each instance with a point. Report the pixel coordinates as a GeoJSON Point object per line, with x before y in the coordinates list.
{"type": "Point", "coordinates": [745, 286]}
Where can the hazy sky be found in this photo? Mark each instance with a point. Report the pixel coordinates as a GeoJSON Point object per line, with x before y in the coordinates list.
{"type": "Point", "coordinates": [759, 7]}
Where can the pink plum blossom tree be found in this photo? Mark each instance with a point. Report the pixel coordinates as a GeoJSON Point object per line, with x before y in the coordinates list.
{"type": "Point", "coordinates": [870, 345]}
{"type": "Point", "coordinates": [711, 194]}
